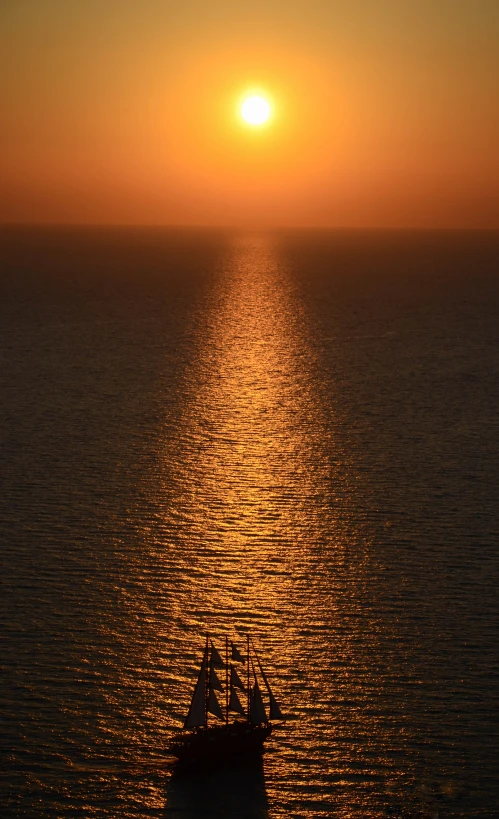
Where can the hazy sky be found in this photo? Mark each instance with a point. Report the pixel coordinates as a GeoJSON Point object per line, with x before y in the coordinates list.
{"type": "Point", "coordinates": [119, 111]}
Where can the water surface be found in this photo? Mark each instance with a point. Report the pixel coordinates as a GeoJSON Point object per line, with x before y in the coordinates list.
{"type": "Point", "coordinates": [294, 435]}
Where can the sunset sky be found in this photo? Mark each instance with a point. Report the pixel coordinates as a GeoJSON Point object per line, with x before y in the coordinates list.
{"type": "Point", "coordinates": [385, 112]}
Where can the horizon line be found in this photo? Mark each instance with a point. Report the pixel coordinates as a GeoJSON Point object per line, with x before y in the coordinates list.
{"type": "Point", "coordinates": [253, 227]}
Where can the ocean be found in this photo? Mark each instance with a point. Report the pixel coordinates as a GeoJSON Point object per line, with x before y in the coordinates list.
{"type": "Point", "coordinates": [292, 434]}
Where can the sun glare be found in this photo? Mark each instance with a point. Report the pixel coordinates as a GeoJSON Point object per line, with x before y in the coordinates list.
{"type": "Point", "coordinates": [255, 110]}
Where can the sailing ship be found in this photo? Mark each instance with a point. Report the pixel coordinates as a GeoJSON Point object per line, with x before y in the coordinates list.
{"type": "Point", "coordinates": [204, 743]}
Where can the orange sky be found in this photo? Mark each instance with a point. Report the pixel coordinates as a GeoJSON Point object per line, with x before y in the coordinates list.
{"type": "Point", "coordinates": [125, 111]}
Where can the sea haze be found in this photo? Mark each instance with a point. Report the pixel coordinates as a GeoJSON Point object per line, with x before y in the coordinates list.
{"type": "Point", "coordinates": [292, 434]}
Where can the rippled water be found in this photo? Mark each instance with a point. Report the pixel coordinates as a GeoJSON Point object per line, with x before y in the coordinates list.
{"type": "Point", "coordinates": [294, 435]}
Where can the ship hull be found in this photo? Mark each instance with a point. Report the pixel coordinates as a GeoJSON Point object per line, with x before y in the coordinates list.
{"type": "Point", "coordinates": [219, 745]}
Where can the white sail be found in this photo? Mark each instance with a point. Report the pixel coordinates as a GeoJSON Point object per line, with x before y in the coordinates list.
{"type": "Point", "coordinates": [257, 708]}
{"type": "Point", "coordinates": [235, 680]}
{"type": "Point", "coordinates": [234, 703]}
{"type": "Point", "coordinates": [196, 715]}
{"type": "Point", "coordinates": [235, 654]}
{"type": "Point", "coordinates": [214, 681]}
{"type": "Point", "coordinates": [213, 705]}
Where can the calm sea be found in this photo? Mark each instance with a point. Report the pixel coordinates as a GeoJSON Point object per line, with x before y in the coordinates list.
{"type": "Point", "coordinates": [294, 435]}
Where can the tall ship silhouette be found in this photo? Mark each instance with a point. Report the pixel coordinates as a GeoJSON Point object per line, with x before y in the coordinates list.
{"type": "Point", "coordinates": [243, 720]}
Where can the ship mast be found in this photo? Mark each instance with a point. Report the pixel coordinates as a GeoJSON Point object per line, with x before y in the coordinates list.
{"type": "Point", "coordinates": [226, 680]}
{"type": "Point", "coordinates": [248, 675]}
{"type": "Point", "coordinates": [207, 685]}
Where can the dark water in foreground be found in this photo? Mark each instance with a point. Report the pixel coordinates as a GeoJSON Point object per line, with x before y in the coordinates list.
{"type": "Point", "coordinates": [295, 435]}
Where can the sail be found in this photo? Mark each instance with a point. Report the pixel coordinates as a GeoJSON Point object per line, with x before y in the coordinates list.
{"type": "Point", "coordinates": [235, 680]}
{"type": "Point", "coordinates": [196, 715]}
{"type": "Point", "coordinates": [275, 711]}
{"type": "Point", "coordinates": [213, 705]}
{"type": "Point", "coordinates": [235, 654]}
{"type": "Point", "coordinates": [257, 708]}
{"type": "Point", "coordinates": [216, 659]}
{"type": "Point", "coordinates": [214, 681]}
{"type": "Point", "coordinates": [234, 703]}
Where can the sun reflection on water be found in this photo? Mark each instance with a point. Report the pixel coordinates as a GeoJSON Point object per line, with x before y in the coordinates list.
{"type": "Point", "coordinates": [245, 482]}
{"type": "Point", "coordinates": [248, 514]}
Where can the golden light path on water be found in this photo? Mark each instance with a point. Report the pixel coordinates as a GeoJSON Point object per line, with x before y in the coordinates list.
{"type": "Point", "coordinates": [247, 537]}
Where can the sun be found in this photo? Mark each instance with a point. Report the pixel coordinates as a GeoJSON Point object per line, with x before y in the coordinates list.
{"type": "Point", "coordinates": [255, 110]}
